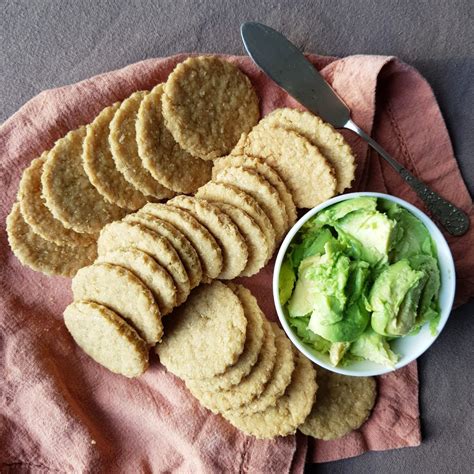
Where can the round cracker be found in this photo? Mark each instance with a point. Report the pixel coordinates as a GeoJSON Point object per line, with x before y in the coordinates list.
{"type": "Point", "coordinates": [207, 334]}
{"type": "Point", "coordinates": [123, 234]}
{"type": "Point", "coordinates": [290, 410]}
{"type": "Point", "coordinates": [307, 174]}
{"type": "Point", "coordinates": [264, 170]}
{"type": "Point", "coordinates": [100, 166]}
{"type": "Point", "coordinates": [67, 191]}
{"type": "Point", "coordinates": [167, 162]}
{"type": "Point", "coordinates": [258, 250]}
{"type": "Point", "coordinates": [209, 251]}
{"type": "Point", "coordinates": [253, 344]}
{"type": "Point", "coordinates": [280, 378]}
{"type": "Point", "coordinates": [249, 388]}
{"type": "Point", "coordinates": [207, 104]}
{"type": "Point", "coordinates": [234, 249]}
{"type": "Point", "coordinates": [151, 273]}
{"type": "Point", "coordinates": [255, 185]}
{"type": "Point", "coordinates": [38, 216]}
{"type": "Point", "coordinates": [42, 255]}
{"type": "Point", "coordinates": [344, 404]}
{"type": "Point", "coordinates": [123, 292]}
{"type": "Point", "coordinates": [186, 252]}
{"type": "Point", "coordinates": [230, 194]}
{"type": "Point", "coordinates": [123, 144]}
{"type": "Point", "coordinates": [106, 338]}
{"type": "Point", "coordinates": [321, 134]}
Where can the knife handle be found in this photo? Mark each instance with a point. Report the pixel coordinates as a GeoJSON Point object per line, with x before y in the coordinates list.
{"type": "Point", "coordinates": [453, 219]}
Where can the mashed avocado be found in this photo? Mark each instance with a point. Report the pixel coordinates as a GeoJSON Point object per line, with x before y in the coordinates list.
{"type": "Point", "coordinates": [358, 275]}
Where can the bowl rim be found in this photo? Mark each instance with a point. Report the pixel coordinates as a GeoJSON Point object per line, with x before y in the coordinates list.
{"type": "Point", "coordinates": [437, 236]}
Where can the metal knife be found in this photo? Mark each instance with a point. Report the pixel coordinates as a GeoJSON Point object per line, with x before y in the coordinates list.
{"type": "Point", "coordinates": [283, 62]}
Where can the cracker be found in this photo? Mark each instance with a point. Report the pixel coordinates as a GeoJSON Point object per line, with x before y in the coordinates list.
{"type": "Point", "coordinates": [186, 252]}
{"type": "Point", "coordinates": [307, 174]}
{"type": "Point", "coordinates": [106, 338]}
{"type": "Point", "coordinates": [151, 273]}
{"type": "Point", "coordinates": [238, 149]}
{"type": "Point", "coordinates": [321, 134]}
{"type": "Point", "coordinates": [67, 191]}
{"type": "Point", "coordinates": [253, 344]}
{"type": "Point", "coordinates": [210, 254]}
{"type": "Point", "coordinates": [280, 378]}
{"type": "Point", "coordinates": [290, 410]}
{"type": "Point", "coordinates": [123, 292]}
{"type": "Point", "coordinates": [264, 170]}
{"type": "Point", "coordinates": [234, 249]}
{"type": "Point", "coordinates": [207, 104]}
{"type": "Point", "coordinates": [249, 388]}
{"type": "Point", "coordinates": [119, 235]}
{"type": "Point", "coordinates": [167, 162]}
{"type": "Point", "coordinates": [100, 166]}
{"type": "Point", "coordinates": [258, 250]}
{"type": "Point", "coordinates": [206, 334]}
{"type": "Point", "coordinates": [42, 255]}
{"type": "Point", "coordinates": [38, 216]}
{"type": "Point", "coordinates": [229, 194]}
{"type": "Point", "coordinates": [343, 405]}
{"type": "Point", "coordinates": [260, 189]}
{"type": "Point", "coordinates": [123, 144]}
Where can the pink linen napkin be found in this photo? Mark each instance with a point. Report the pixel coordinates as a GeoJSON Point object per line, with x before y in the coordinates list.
{"type": "Point", "coordinates": [61, 411]}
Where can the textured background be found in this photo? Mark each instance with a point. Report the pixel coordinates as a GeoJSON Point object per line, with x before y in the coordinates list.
{"type": "Point", "coordinates": [45, 44]}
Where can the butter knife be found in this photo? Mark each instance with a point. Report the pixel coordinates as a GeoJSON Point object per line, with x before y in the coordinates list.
{"type": "Point", "coordinates": [283, 62]}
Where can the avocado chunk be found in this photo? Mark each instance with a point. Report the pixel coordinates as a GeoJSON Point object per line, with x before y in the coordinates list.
{"type": "Point", "coordinates": [308, 337]}
{"type": "Point", "coordinates": [368, 234]}
{"type": "Point", "coordinates": [341, 209]}
{"type": "Point", "coordinates": [286, 281]}
{"type": "Point", "coordinates": [394, 299]}
{"type": "Point", "coordinates": [374, 347]}
{"type": "Point", "coordinates": [337, 351]}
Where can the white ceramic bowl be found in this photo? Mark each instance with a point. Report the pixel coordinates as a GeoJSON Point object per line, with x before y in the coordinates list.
{"type": "Point", "coordinates": [409, 347]}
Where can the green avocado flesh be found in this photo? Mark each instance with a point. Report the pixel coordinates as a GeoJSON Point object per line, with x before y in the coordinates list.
{"type": "Point", "coordinates": [357, 276]}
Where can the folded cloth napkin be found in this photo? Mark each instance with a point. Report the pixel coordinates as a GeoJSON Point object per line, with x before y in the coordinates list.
{"type": "Point", "coordinates": [61, 411]}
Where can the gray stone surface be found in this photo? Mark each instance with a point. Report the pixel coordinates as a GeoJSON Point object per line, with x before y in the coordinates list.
{"type": "Point", "coordinates": [46, 44]}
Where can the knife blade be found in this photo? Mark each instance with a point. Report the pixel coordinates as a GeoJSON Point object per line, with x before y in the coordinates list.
{"type": "Point", "coordinates": [283, 62]}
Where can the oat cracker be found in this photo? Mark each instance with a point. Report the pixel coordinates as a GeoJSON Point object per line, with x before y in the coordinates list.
{"type": "Point", "coordinates": [167, 162]}
{"type": "Point", "coordinates": [106, 338]}
{"type": "Point", "coordinates": [68, 193]}
{"type": "Point", "coordinates": [207, 104]}
{"type": "Point", "coordinates": [343, 405]}
{"type": "Point", "coordinates": [100, 166]}
{"type": "Point", "coordinates": [42, 255]}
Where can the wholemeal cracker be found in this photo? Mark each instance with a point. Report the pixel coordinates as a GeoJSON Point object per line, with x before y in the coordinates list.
{"type": "Point", "coordinates": [167, 162]}
{"type": "Point", "coordinates": [343, 405]}
{"type": "Point", "coordinates": [229, 194]}
{"type": "Point", "coordinates": [42, 255]}
{"type": "Point", "coordinates": [307, 174]}
{"type": "Point", "coordinates": [249, 388]}
{"type": "Point", "coordinates": [290, 410]}
{"type": "Point", "coordinates": [151, 273]}
{"type": "Point", "coordinates": [253, 344]}
{"type": "Point", "coordinates": [234, 249]}
{"type": "Point", "coordinates": [38, 216]}
{"type": "Point", "coordinates": [107, 338]}
{"type": "Point", "coordinates": [206, 334]}
{"type": "Point", "coordinates": [258, 250]}
{"type": "Point", "coordinates": [123, 144]}
{"type": "Point", "coordinates": [209, 251]}
{"type": "Point", "coordinates": [280, 378]}
{"type": "Point", "coordinates": [100, 166]}
{"type": "Point", "coordinates": [207, 104]}
{"type": "Point", "coordinates": [121, 291]}
{"type": "Point", "coordinates": [119, 235]}
{"type": "Point", "coordinates": [68, 193]}
{"type": "Point", "coordinates": [186, 252]}
{"type": "Point", "coordinates": [260, 189]}
{"type": "Point", "coordinates": [264, 170]}
{"type": "Point", "coordinates": [321, 134]}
